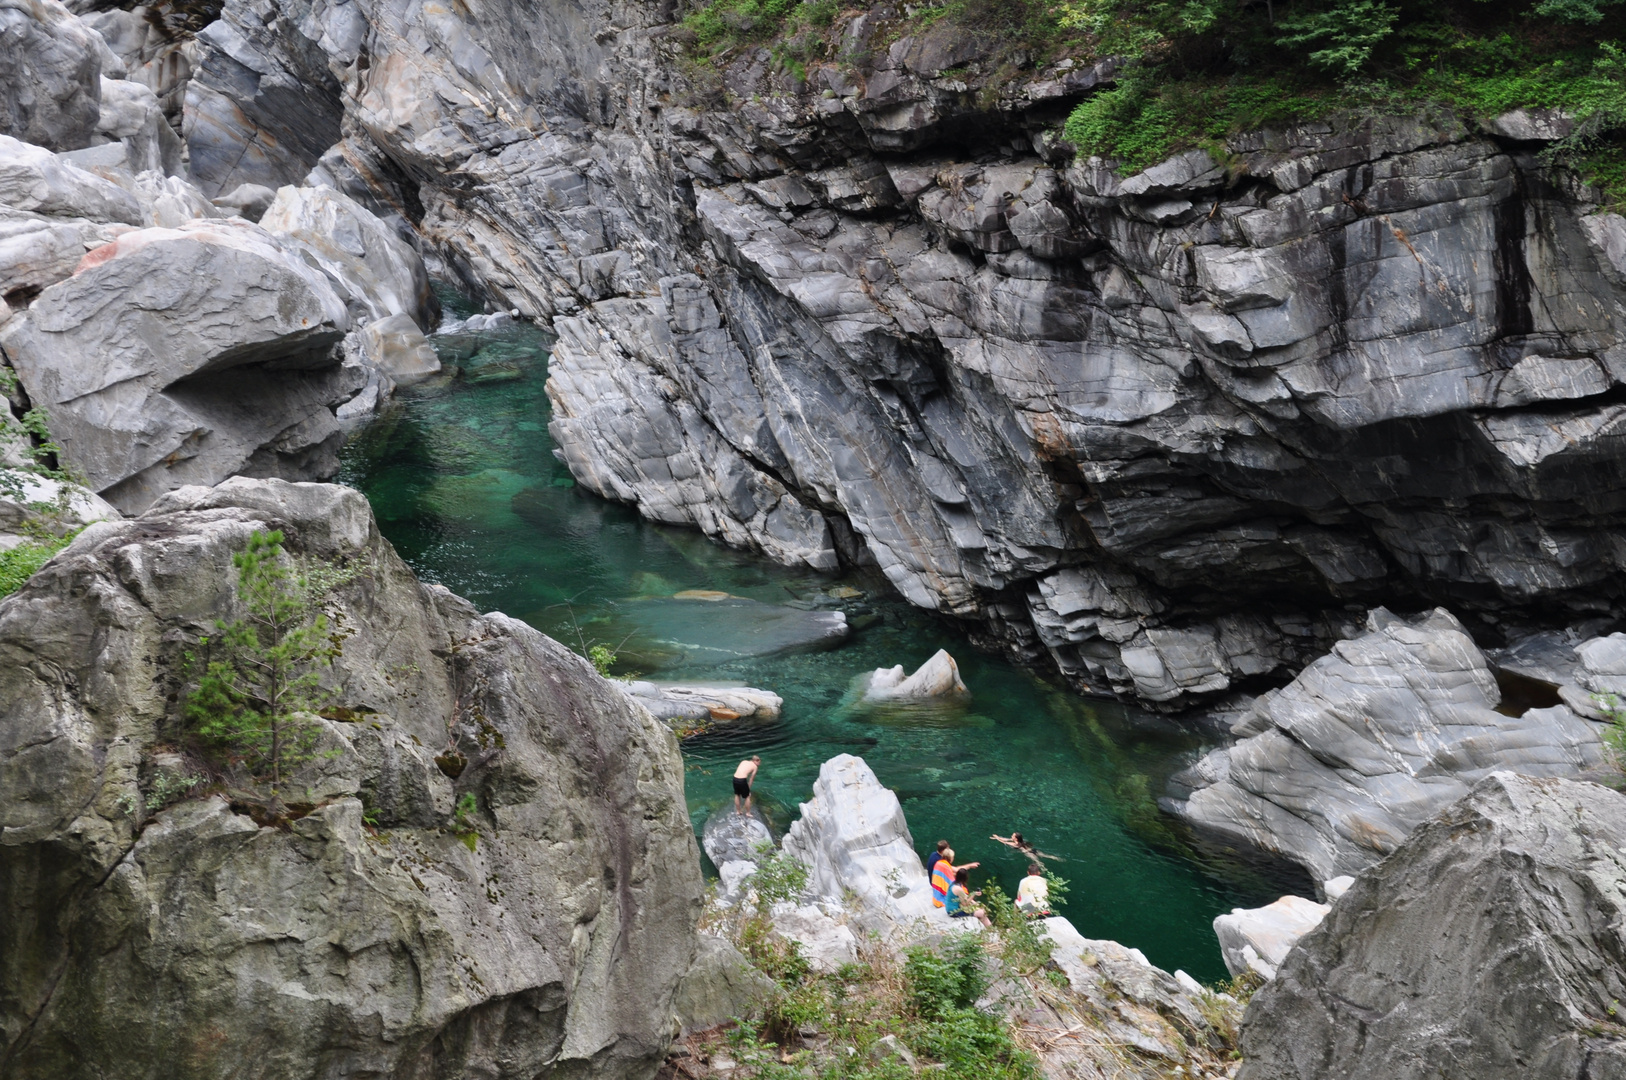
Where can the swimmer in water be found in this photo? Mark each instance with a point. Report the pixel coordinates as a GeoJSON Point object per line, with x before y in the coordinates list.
{"type": "Point", "coordinates": [1015, 841]}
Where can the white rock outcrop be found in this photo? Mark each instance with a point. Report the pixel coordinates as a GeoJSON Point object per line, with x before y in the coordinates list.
{"type": "Point", "coordinates": [1258, 939]}
{"type": "Point", "coordinates": [938, 677]}
{"type": "Point", "coordinates": [855, 841]}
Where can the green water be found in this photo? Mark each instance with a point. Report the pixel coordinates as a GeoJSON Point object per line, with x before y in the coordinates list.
{"type": "Point", "coordinates": [463, 480]}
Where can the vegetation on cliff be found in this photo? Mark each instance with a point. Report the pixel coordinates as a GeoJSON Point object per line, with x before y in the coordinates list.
{"type": "Point", "coordinates": [1192, 72]}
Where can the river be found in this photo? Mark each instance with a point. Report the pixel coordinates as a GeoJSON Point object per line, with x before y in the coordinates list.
{"type": "Point", "coordinates": [462, 477]}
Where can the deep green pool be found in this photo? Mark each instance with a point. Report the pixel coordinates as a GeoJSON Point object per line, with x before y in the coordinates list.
{"type": "Point", "coordinates": [462, 477]}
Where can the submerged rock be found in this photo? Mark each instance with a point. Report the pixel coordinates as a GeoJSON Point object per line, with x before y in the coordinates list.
{"type": "Point", "coordinates": [718, 630]}
{"type": "Point", "coordinates": [1335, 769]}
{"type": "Point", "coordinates": [938, 677]}
{"type": "Point", "coordinates": [1489, 945]}
{"type": "Point", "coordinates": [1258, 939]}
{"type": "Point", "coordinates": [701, 702]}
{"type": "Point", "coordinates": [553, 942]}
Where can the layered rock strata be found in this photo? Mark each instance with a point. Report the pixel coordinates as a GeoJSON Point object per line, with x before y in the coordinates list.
{"type": "Point", "coordinates": [1489, 945]}
{"type": "Point", "coordinates": [1335, 770]}
{"type": "Point", "coordinates": [1160, 429]}
{"type": "Point", "coordinates": [364, 937]}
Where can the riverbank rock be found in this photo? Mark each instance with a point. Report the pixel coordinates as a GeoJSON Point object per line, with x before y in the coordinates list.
{"type": "Point", "coordinates": [1258, 939]}
{"type": "Point", "coordinates": [938, 677]}
{"type": "Point", "coordinates": [729, 837]}
{"type": "Point", "coordinates": [720, 986]}
{"type": "Point", "coordinates": [1334, 770]}
{"type": "Point", "coordinates": [553, 941]}
{"type": "Point", "coordinates": [1489, 945]}
{"type": "Point", "coordinates": [854, 839]}
{"type": "Point", "coordinates": [182, 356]}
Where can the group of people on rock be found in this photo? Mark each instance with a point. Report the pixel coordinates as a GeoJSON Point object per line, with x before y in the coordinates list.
{"type": "Point", "coordinates": [951, 889]}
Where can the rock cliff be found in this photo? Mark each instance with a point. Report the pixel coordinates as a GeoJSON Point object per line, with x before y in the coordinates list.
{"type": "Point", "coordinates": [1489, 945]}
{"type": "Point", "coordinates": [1335, 770]}
{"type": "Point", "coordinates": [1160, 429]}
{"type": "Point", "coordinates": [364, 938]}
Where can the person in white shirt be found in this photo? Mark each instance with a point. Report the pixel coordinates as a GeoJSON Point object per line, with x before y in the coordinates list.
{"type": "Point", "coordinates": [1033, 895]}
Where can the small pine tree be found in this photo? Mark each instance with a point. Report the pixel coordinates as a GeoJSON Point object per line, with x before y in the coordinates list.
{"type": "Point", "coordinates": [262, 671]}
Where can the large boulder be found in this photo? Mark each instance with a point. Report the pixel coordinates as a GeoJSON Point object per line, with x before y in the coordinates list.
{"type": "Point", "coordinates": [145, 941]}
{"type": "Point", "coordinates": [50, 74]}
{"type": "Point", "coordinates": [183, 356]}
{"type": "Point", "coordinates": [854, 839]}
{"type": "Point", "coordinates": [35, 180]}
{"type": "Point", "coordinates": [1337, 768]}
{"type": "Point", "coordinates": [938, 677]}
{"type": "Point", "coordinates": [1258, 939]}
{"type": "Point", "coordinates": [1491, 945]}
{"type": "Point", "coordinates": [376, 271]}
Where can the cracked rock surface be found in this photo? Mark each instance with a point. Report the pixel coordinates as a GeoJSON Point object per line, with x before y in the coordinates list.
{"type": "Point", "coordinates": [1489, 945]}
{"type": "Point", "coordinates": [1162, 430]}
{"type": "Point", "coordinates": [138, 940]}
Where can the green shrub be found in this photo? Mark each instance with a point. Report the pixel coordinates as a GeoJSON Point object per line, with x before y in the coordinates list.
{"type": "Point", "coordinates": [948, 979]}
{"type": "Point", "coordinates": [779, 876]}
{"type": "Point", "coordinates": [18, 564]}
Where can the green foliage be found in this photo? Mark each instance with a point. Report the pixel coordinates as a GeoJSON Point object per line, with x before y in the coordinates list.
{"type": "Point", "coordinates": [18, 564]}
{"type": "Point", "coordinates": [973, 1043]}
{"type": "Point", "coordinates": [1340, 39]}
{"type": "Point", "coordinates": [1196, 74]}
{"type": "Point", "coordinates": [779, 876]}
{"type": "Point", "coordinates": [602, 657]}
{"type": "Point", "coordinates": [167, 788]}
{"type": "Point", "coordinates": [1588, 12]}
{"type": "Point", "coordinates": [949, 979]}
{"type": "Point", "coordinates": [1022, 947]}
{"type": "Point", "coordinates": [260, 681]}
{"type": "Point", "coordinates": [1614, 736]}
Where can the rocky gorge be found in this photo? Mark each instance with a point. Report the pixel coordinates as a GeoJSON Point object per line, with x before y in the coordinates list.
{"type": "Point", "coordinates": [1162, 432]}
{"type": "Point", "coordinates": [1311, 431]}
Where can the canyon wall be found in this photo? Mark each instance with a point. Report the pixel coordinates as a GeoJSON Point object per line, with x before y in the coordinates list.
{"type": "Point", "coordinates": [1171, 431]}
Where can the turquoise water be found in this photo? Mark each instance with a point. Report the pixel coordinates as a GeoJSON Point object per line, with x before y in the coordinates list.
{"type": "Point", "coordinates": [463, 480]}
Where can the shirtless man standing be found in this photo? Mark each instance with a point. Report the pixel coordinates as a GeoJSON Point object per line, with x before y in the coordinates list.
{"type": "Point", "coordinates": [743, 776]}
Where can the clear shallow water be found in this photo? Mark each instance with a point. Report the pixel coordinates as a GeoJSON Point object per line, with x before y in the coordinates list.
{"type": "Point", "coordinates": [463, 480]}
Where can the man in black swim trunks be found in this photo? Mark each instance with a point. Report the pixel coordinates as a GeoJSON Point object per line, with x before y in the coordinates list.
{"type": "Point", "coordinates": [743, 776]}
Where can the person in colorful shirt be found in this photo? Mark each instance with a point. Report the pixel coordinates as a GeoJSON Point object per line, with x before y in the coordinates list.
{"type": "Point", "coordinates": [962, 902]}
{"type": "Point", "coordinates": [943, 871]}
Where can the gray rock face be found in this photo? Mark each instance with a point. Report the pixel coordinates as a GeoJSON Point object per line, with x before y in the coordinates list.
{"type": "Point", "coordinates": [179, 356]}
{"type": "Point", "coordinates": [50, 75]}
{"type": "Point", "coordinates": [554, 946]}
{"type": "Point", "coordinates": [1489, 945]}
{"type": "Point", "coordinates": [1337, 768]}
{"type": "Point", "coordinates": [261, 101]}
{"type": "Point", "coordinates": [377, 272]}
{"type": "Point", "coordinates": [1160, 429]}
